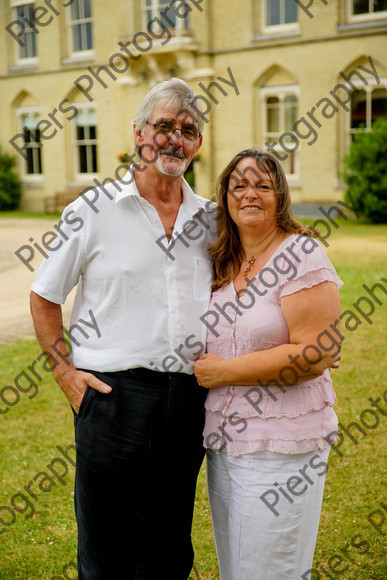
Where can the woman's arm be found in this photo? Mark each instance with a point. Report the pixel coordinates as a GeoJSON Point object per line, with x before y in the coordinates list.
{"type": "Point", "coordinates": [311, 316]}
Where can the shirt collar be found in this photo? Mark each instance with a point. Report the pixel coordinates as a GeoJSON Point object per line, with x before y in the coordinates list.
{"type": "Point", "coordinates": [192, 203]}
{"type": "Point", "coordinates": [128, 186]}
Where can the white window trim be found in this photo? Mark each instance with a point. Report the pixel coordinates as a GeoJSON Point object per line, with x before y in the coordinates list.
{"type": "Point", "coordinates": [79, 54]}
{"type": "Point", "coordinates": [276, 28]}
{"type": "Point", "coordinates": [281, 91]}
{"type": "Point", "coordinates": [369, 16]}
{"type": "Point", "coordinates": [28, 177]}
{"type": "Point", "coordinates": [82, 177]}
{"type": "Point", "coordinates": [15, 3]}
{"type": "Point", "coordinates": [29, 61]}
{"type": "Point", "coordinates": [368, 90]}
{"type": "Point", "coordinates": [155, 7]}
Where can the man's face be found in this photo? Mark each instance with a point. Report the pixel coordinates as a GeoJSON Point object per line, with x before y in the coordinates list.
{"type": "Point", "coordinates": [170, 152]}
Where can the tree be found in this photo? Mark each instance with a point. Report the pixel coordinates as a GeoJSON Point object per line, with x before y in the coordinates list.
{"type": "Point", "coordinates": [366, 172]}
{"type": "Point", "coordinates": [10, 184]}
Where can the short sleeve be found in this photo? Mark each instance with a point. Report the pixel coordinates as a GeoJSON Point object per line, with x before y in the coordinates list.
{"type": "Point", "coordinates": [62, 269]}
{"type": "Point", "coordinates": [309, 266]}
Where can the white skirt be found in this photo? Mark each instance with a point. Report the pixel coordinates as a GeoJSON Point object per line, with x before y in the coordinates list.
{"type": "Point", "coordinates": [265, 510]}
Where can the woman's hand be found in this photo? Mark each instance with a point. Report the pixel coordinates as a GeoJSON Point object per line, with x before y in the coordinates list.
{"type": "Point", "coordinates": [210, 370]}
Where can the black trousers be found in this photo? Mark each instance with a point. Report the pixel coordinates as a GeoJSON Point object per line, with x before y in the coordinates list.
{"type": "Point", "coordinates": [139, 451]}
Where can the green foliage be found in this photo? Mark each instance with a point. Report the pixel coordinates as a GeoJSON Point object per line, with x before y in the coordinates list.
{"type": "Point", "coordinates": [366, 172]}
{"type": "Point", "coordinates": [10, 185]}
{"type": "Point", "coordinates": [190, 178]}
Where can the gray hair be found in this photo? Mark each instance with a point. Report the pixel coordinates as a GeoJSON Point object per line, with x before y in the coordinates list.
{"type": "Point", "coordinates": [176, 95]}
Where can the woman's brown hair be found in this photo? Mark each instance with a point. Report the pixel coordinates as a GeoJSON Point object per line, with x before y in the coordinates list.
{"type": "Point", "coordinates": [227, 250]}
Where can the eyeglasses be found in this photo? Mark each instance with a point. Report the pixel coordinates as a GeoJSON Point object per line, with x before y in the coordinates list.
{"type": "Point", "coordinates": [165, 128]}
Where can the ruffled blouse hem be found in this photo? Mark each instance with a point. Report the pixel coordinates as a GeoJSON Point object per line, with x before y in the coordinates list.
{"type": "Point", "coordinates": [255, 402]}
{"type": "Point", "coordinates": [235, 448]}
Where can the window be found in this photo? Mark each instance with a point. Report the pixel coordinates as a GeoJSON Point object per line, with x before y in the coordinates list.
{"type": "Point", "coordinates": [368, 6]}
{"type": "Point", "coordinates": [86, 140]}
{"type": "Point", "coordinates": [165, 13]}
{"type": "Point", "coordinates": [26, 45]}
{"type": "Point", "coordinates": [80, 26]}
{"type": "Point", "coordinates": [279, 116]}
{"type": "Point", "coordinates": [366, 107]}
{"type": "Point", "coordinates": [32, 145]}
{"type": "Point", "coordinates": [363, 10]}
{"type": "Point", "coordinates": [280, 12]}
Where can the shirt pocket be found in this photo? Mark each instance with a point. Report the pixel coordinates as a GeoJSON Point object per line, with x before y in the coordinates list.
{"type": "Point", "coordinates": [202, 279]}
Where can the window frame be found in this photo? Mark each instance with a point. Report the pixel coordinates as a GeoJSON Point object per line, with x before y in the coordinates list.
{"type": "Point", "coordinates": [366, 17]}
{"type": "Point", "coordinates": [25, 176]}
{"type": "Point", "coordinates": [71, 24]}
{"type": "Point", "coordinates": [20, 60]}
{"type": "Point", "coordinates": [156, 8]}
{"type": "Point", "coordinates": [81, 176]}
{"type": "Point", "coordinates": [368, 89]}
{"type": "Point", "coordinates": [284, 27]}
{"type": "Point", "coordinates": [280, 92]}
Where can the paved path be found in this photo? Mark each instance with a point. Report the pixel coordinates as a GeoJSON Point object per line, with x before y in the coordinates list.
{"type": "Point", "coordinates": [16, 278]}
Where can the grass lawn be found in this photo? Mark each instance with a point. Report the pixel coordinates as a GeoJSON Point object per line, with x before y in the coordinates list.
{"type": "Point", "coordinates": [38, 533]}
{"type": "Point", "coordinates": [18, 214]}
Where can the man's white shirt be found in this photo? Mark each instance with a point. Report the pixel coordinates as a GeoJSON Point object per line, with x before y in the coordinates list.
{"type": "Point", "coordinates": [146, 295]}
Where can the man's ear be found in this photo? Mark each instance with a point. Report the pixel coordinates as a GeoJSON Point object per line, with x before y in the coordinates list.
{"type": "Point", "coordinates": [138, 137]}
{"type": "Point", "coordinates": [199, 144]}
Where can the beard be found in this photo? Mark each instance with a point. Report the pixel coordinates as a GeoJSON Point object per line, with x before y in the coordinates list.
{"type": "Point", "coordinates": [174, 170]}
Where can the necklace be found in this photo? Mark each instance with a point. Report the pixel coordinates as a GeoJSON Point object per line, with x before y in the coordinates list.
{"type": "Point", "coordinates": [251, 262]}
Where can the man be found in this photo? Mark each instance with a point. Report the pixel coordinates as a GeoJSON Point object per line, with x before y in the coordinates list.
{"type": "Point", "coordinates": [138, 249]}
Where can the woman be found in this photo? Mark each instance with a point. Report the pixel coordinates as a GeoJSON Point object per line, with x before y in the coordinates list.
{"type": "Point", "coordinates": [273, 334]}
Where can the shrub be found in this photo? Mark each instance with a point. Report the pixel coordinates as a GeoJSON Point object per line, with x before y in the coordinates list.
{"type": "Point", "coordinates": [366, 172]}
{"type": "Point", "coordinates": [10, 184]}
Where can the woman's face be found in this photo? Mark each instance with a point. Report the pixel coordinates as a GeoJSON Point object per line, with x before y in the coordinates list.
{"type": "Point", "coordinates": [251, 199]}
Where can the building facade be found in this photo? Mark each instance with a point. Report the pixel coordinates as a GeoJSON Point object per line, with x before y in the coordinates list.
{"type": "Point", "coordinates": [295, 77]}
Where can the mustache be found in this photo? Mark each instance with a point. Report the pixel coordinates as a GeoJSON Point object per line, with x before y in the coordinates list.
{"type": "Point", "coordinates": [172, 151]}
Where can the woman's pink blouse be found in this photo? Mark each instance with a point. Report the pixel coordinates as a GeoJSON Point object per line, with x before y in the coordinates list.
{"type": "Point", "coordinates": [280, 418]}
